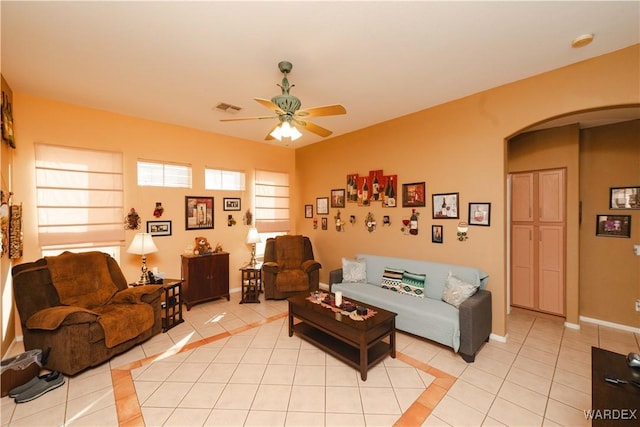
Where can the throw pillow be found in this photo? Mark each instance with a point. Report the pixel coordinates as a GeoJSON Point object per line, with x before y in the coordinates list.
{"type": "Point", "coordinates": [413, 284]}
{"type": "Point", "coordinates": [354, 271]}
{"type": "Point", "coordinates": [392, 279]}
{"type": "Point", "coordinates": [456, 291]}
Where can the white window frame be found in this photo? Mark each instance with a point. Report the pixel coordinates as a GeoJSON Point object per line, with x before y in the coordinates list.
{"type": "Point", "coordinates": [154, 173]}
{"type": "Point", "coordinates": [224, 179]}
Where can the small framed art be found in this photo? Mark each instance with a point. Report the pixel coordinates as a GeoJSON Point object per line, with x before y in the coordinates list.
{"type": "Point", "coordinates": [436, 233]}
{"type": "Point", "coordinates": [446, 206]}
{"type": "Point", "coordinates": [480, 213]}
{"type": "Point", "coordinates": [322, 205]}
{"type": "Point", "coordinates": [624, 198]}
{"type": "Point", "coordinates": [198, 212]}
{"type": "Point", "coordinates": [159, 228]}
{"type": "Point", "coordinates": [308, 211]}
{"type": "Point", "coordinates": [231, 203]}
{"type": "Point", "coordinates": [413, 195]}
{"type": "Point", "coordinates": [613, 226]}
{"type": "Point", "coordinates": [325, 223]}
{"type": "Point", "coordinates": [338, 198]}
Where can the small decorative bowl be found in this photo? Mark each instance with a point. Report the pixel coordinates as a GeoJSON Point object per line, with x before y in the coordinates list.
{"type": "Point", "coordinates": [362, 311]}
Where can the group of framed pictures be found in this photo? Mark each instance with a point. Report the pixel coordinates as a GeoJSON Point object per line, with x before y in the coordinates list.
{"type": "Point", "coordinates": [198, 214]}
{"type": "Point", "coordinates": [618, 225]}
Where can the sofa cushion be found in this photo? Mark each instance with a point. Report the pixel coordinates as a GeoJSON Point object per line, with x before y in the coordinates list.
{"type": "Point", "coordinates": [82, 279]}
{"type": "Point", "coordinates": [392, 279]}
{"type": "Point", "coordinates": [354, 271]}
{"type": "Point", "coordinates": [425, 317]}
{"type": "Point", "coordinates": [457, 291]}
{"type": "Point", "coordinates": [413, 284]}
{"type": "Point", "coordinates": [436, 272]}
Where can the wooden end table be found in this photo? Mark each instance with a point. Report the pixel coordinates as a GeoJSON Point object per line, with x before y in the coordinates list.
{"type": "Point", "coordinates": [251, 276]}
{"type": "Point", "coordinates": [171, 304]}
{"type": "Point", "coordinates": [359, 344]}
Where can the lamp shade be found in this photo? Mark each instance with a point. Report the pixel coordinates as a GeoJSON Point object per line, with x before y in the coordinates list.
{"type": "Point", "coordinates": [285, 130]}
{"type": "Point", "coordinates": [142, 244]}
{"type": "Point", "coordinates": [253, 236]}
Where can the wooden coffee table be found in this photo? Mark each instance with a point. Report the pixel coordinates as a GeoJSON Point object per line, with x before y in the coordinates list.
{"type": "Point", "coordinates": [359, 344]}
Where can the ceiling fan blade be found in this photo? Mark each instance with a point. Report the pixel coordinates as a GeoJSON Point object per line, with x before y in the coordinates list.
{"type": "Point", "coordinates": [269, 137]}
{"type": "Point", "coordinates": [249, 118]}
{"type": "Point", "coordinates": [327, 110]}
{"type": "Point", "coordinates": [314, 128]}
{"type": "Point", "coordinates": [270, 105]}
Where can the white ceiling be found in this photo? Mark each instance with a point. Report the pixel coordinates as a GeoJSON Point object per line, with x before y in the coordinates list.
{"type": "Point", "coordinates": [174, 61]}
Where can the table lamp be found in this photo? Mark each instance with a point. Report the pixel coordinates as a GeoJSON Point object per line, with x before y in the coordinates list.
{"type": "Point", "coordinates": [253, 237]}
{"type": "Point", "coordinates": [142, 244]}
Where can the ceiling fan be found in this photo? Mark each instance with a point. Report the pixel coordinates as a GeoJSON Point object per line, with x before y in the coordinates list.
{"type": "Point", "coordinates": [288, 112]}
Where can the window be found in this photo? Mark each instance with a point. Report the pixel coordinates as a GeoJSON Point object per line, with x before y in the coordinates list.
{"type": "Point", "coordinates": [219, 179]}
{"type": "Point", "coordinates": [161, 174]}
{"type": "Point", "coordinates": [272, 201]}
{"type": "Point", "coordinates": [114, 251]}
{"type": "Point", "coordinates": [79, 197]}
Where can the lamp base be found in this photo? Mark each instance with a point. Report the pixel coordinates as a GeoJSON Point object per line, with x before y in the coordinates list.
{"type": "Point", "coordinates": [253, 261]}
{"type": "Point", "coordinates": [144, 276]}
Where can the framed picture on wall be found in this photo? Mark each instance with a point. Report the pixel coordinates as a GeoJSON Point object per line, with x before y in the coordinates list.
{"type": "Point", "coordinates": [198, 212]}
{"type": "Point", "coordinates": [231, 203]}
{"type": "Point", "coordinates": [322, 206]}
{"type": "Point", "coordinates": [159, 228]}
{"type": "Point", "coordinates": [338, 198]}
{"type": "Point", "coordinates": [624, 198]}
{"type": "Point", "coordinates": [413, 195]}
{"type": "Point", "coordinates": [613, 226]}
{"type": "Point", "coordinates": [308, 211]}
{"type": "Point", "coordinates": [480, 213]}
{"type": "Point", "coordinates": [436, 233]}
{"type": "Point", "coordinates": [446, 206]}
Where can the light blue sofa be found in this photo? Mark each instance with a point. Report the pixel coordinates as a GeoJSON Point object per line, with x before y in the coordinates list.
{"type": "Point", "coordinates": [464, 329]}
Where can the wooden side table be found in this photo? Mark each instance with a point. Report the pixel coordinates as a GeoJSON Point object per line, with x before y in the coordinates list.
{"type": "Point", "coordinates": [171, 304]}
{"type": "Point", "coordinates": [251, 283]}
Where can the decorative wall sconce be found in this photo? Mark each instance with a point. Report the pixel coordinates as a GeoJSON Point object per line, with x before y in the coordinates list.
{"type": "Point", "coordinates": [370, 222]}
{"type": "Point", "coordinates": [352, 219]}
{"type": "Point", "coordinates": [230, 220]}
{"type": "Point", "coordinates": [132, 220]}
{"type": "Point", "coordinates": [462, 231]}
{"type": "Point", "coordinates": [315, 223]}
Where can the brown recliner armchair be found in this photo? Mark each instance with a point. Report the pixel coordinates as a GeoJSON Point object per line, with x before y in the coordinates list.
{"type": "Point", "coordinates": [289, 267]}
{"type": "Point", "coordinates": [80, 306]}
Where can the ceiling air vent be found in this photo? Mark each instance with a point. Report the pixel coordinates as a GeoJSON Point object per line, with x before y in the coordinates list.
{"type": "Point", "coordinates": [228, 108]}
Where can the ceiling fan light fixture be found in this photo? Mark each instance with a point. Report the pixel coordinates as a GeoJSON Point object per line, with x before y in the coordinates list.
{"type": "Point", "coordinates": [285, 130]}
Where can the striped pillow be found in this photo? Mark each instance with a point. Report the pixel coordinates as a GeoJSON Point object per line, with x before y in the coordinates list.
{"type": "Point", "coordinates": [392, 279]}
{"type": "Point", "coordinates": [413, 284]}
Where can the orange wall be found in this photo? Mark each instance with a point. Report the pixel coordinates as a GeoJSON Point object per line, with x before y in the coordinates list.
{"type": "Point", "coordinates": [609, 270]}
{"type": "Point", "coordinates": [46, 121]}
{"type": "Point", "coordinates": [455, 147]}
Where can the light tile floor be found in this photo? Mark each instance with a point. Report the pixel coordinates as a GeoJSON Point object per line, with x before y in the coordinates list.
{"type": "Point", "coordinates": [234, 364]}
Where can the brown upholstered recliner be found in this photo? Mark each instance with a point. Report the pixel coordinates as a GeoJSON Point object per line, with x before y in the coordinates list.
{"type": "Point", "coordinates": [80, 306]}
{"type": "Point", "coordinates": [289, 268]}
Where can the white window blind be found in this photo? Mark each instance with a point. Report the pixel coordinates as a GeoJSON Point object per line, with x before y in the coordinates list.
{"type": "Point", "coordinates": [161, 174]}
{"type": "Point", "coordinates": [272, 201]}
{"type": "Point", "coordinates": [220, 179]}
{"type": "Point", "coordinates": [79, 196]}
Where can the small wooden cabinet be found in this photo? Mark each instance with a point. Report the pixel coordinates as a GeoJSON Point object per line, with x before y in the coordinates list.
{"type": "Point", "coordinates": [204, 278]}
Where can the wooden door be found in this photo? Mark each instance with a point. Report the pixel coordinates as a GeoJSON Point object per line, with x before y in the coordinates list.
{"type": "Point", "coordinates": [522, 266]}
{"type": "Point", "coordinates": [551, 269]}
{"type": "Point", "coordinates": [538, 240]}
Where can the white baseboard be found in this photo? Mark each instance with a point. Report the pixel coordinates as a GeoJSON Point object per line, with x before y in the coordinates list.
{"type": "Point", "coordinates": [571, 325]}
{"type": "Point", "coordinates": [610, 324]}
{"type": "Point", "coordinates": [499, 338]}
